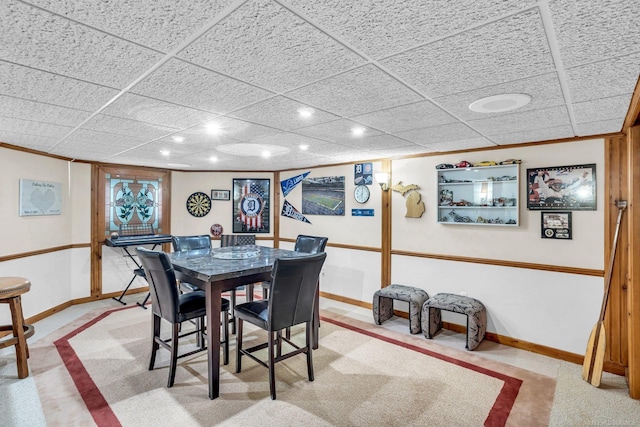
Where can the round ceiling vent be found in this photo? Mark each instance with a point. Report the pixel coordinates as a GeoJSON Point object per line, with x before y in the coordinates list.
{"type": "Point", "coordinates": [500, 103]}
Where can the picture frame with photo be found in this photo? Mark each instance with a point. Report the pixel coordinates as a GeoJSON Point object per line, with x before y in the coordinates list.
{"type": "Point", "coordinates": [220, 195]}
{"type": "Point", "coordinates": [562, 188]}
{"type": "Point", "coordinates": [556, 225]}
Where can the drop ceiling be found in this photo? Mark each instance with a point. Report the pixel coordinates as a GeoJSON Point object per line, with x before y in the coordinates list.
{"type": "Point", "coordinates": [115, 81]}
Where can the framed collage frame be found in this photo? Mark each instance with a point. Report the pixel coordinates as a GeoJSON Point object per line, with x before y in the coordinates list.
{"type": "Point", "coordinates": [555, 225]}
{"type": "Point", "coordinates": [251, 205]}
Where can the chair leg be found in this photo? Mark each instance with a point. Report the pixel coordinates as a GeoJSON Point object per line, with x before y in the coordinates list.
{"type": "Point", "coordinates": [200, 335]}
{"type": "Point", "coordinates": [309, 333]}
{"type": "Point", "coordinates": [272, 366]}
{"type": "Point", "coordinates": [174, 355]}
{"type": "Point", "coordinates": [233, 317]}
{"type": "Point", "coordinates": [265, 293]}
{"type": "Point", "coordinates": [22, 350]}
{"type": "Point", "coordinates": [155, 334]}
{"type": "Point", "coordinates": [225, 335]}
{"type": "Point", "coordinates": [239, 347]}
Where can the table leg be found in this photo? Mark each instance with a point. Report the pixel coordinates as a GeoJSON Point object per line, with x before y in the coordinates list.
{"type": "Point", "coordinates": [214, 299]}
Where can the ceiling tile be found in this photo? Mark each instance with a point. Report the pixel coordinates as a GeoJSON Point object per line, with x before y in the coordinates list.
{"type": "Point", "coordinates": [189, 85]}
{"type": "Point", "coordinates": [30, 127]}
{"type": "Point", "coordinates": [264, 44]}
{"type": "Point", "coordinates": [442, 133]}
{"type": "Point", "coordinates": [406, 117]}
{"type": "Point", "coordinates": [602, 109]}
{"type": "Point", "coordinates": [461, 144]}
{"type": "Point", "coordinates": [125, 127]}
{"type": "Point", "coordinates": [544, 134]}
{"type": "Point", "coordinates": [382, 27]}
{"type": "Point", "coordinates": [509, 49]}
{"type": "Point", "coordinates": [140, 108]}
{"type": "Point", "coordinates": [589, 31]}
{"type": "Point", "coordinates": [40, 112]}
{"type": "Point", "coordinates": [603, 79]}
{"type": "Point", "coordinates": [162, 25]}
{"type": "Point", "coordinates": [600, 127]}
{"type": "Point", "coordinates": [39, 39]}
{"type": "Point", "coordinates": [34, 142]}
{"type": "Point", "coordinates": [35, 85]}
{"type": "Point", "coordinates": [282, 113]}
{"type": "Point", "coordinates": [339, 131]}
{"type": "Point", "coordinates": [527, 120]}
{"type": "Point", "coordinates": [356, 92]}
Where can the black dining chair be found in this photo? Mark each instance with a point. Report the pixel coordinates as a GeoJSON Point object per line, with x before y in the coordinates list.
{"type": "Point", "coordinates": [168, 304]}
{"type": "Point", "coordinates": [191, 243]}
{"type": "Point", "coordinates": [293, 290]}
{"type": "Point", "coordinates": [304, 243]}
{"type": "Point", "coordinates": [237, 240]}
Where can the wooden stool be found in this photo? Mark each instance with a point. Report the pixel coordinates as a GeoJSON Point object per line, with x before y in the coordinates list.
{"type": "Point", "coordinates": [10, 290]}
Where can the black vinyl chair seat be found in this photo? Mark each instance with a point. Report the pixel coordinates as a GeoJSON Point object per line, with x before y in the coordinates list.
{"type": "Point", "coordinates": [294, 284]}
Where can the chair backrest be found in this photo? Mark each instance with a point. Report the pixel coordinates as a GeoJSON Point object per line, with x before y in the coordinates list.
{"type": "Point", "coordinates": [310, 244]}
{"type": "Point", "coordinates": [237, 239]}
{"type": "Point", "coordinates": [190, 243]}
{"type": "Point", "coordinates": [162, 283]}
{"type": "Point", "coordinates": [293, 290]}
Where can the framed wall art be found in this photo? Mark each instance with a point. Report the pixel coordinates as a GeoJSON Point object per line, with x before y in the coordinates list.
{"type": "Point", "coordinates": [323, 195]}
{"type": "Point", "coordinates": [251, 205]}
{"type": "Point", "coordinates": [220, 195]}
{"type": "Point", "coordinates": [556, 225]}
{"type": "Point", "coordinates": [562, 188]}
{"type": "Point", "coordinates": [40, 198]}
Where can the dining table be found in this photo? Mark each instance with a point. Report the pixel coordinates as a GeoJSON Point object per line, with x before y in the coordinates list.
{"type": "Point", "coordinates": [222, 269]}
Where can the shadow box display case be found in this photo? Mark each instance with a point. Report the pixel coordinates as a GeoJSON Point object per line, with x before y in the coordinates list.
{"type": "Point", "coordinates": [479, 195]}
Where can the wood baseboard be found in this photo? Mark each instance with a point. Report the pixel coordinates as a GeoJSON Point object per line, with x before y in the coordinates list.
{"type": "Point", "coordinates": [500, 339]}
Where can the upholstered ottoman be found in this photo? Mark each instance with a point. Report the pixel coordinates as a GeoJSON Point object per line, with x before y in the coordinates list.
{"type": "Point", "coordinates": [383, 304]}
{"type": "Point", "coordinates": [474, 309]}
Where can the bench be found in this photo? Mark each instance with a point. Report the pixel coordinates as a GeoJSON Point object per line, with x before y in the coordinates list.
{"type": "Point", "coordinates": [383, 304]}
{"type": "Point", "coordinates": [472, 308]}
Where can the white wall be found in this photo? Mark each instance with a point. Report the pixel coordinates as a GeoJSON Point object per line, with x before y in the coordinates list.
{"type": "Point", "coordinates": [542, 307]}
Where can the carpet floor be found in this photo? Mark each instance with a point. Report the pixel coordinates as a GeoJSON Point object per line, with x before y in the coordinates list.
{"type": "Point", "coordinates": [94, 371]}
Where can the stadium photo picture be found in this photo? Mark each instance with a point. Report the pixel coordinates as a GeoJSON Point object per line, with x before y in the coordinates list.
{"type": "Point", "coordinates": [323, 196]}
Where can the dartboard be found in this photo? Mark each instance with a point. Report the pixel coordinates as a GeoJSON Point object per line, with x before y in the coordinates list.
{"type": "Point", "coordinates": [198, 204]}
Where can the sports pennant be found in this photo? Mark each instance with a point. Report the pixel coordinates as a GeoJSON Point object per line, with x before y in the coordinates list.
{"type": "Point", "coordinates": [289, 184]}
{"type": "Point", "coordinates": [289, 211]}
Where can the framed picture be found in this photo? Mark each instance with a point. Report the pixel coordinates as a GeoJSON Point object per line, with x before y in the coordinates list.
{"type": "Point", "coordinates": [220, 195]}
{"type": "Point", "coordinates": [251, 205]}
{"type": "Point", "coordinates": [40, 198]}
{"type": "Point", "coordinates": [323, 195]}
{"type": "Point", "coordinates": [556, 225]}
{"type": "Point", "coordinates": [562, 188]}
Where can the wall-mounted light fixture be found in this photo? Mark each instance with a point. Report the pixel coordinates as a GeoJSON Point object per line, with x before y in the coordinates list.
{"type": "Point", "coordinates": [383, 179]}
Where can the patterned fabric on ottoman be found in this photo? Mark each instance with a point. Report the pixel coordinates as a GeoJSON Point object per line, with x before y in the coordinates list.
{"type": "Point", "coordinates": [383, 304]}
{"type": "Point", "coordinates": [474, 309]}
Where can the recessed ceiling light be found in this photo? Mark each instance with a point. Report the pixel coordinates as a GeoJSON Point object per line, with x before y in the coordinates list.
{"type": "Point", "coordinates": [178, 138]}
{"type": "Point", "coordinates": [358, 131]}
{"type": "Point", "coordinates": [165, 152]}
{"type": "Point", "coordinates": [500, 103]}
{"type": "Point", "coordinates": [213, 159]}
{"type": "Point", "coordinates": [266, 154]}
{"type": "Point", "coordinates": [213, 128]}
{"type": "Point", "coordinates": [306, 112]}
{"type": "Point", "coordinates": [304, 147]}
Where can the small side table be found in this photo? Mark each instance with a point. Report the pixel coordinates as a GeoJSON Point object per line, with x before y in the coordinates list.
{"type": "Point", "coordinates": [11, 288]}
